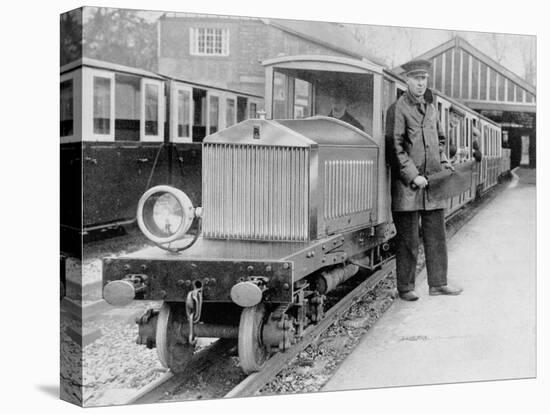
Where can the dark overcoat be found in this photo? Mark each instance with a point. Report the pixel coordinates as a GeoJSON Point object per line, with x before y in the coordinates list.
{"type": "Point", "coordinates": [416, 146]}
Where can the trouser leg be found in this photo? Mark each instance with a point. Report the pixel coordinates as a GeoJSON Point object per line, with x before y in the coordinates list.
{"type": "Point", "coordinates": [435, 246]}
{"type": "Point", "coordinates": [407, 240]}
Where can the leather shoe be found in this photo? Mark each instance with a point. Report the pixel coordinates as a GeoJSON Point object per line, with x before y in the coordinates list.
{"type": "Point", "coordinates": [445, 290]}
{"type": "Point", "coordinates": [408, 296]}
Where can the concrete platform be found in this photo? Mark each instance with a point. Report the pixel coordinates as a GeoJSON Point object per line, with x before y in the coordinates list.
{"type": "Point", "coordinates": [487, 333]}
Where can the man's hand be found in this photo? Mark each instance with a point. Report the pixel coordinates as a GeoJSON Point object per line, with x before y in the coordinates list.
{"type": "Point", "coordinates": [448, 166]}
{"type": "Point", "coordinates": [419, 182]}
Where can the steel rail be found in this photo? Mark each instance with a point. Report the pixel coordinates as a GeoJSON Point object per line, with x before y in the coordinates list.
{"type": "Point", "coordinates": [254, 382]}
{"type": "Point", "coordinates": [202, 360]}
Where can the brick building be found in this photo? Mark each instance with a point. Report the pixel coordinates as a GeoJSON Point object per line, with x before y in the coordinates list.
{"type": "Point", "coordinates": [226, 51]}
{"type": "Point", "coordinates": [463, 72]}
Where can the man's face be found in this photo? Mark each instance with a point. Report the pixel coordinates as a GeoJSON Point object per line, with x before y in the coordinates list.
{"type": "Point", "coordinates": [417, 83]}
{"type": "Point", "coordinates": [338, 104]}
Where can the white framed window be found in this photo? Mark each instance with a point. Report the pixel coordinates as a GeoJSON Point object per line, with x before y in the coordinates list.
{"type": "Point", "coordinates": [181, 116]}
{"type": "Point", "coordinates": [67, 102]}
{"type": "Point", "coordinates": [213, 111]}
{"type": "Point", "coordinates": [230, 111]}
{"type": "Point", "coordinates": [152, 110]}
{"type": "Point", "coordinates": [98, 105]}
{"type": "Point", "coordinates": [127, 107]}
{"type": "Point", "coordinates": [209, 41]}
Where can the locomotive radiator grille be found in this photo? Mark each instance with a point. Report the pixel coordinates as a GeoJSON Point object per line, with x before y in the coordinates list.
{"type": "Point", "coordinates": [255, 192]}
{"type": "Point", "coordinates": [349, 187]}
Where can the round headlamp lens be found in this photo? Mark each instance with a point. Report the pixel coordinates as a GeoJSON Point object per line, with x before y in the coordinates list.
{"type": "Point", "coordinates": [165, 214]}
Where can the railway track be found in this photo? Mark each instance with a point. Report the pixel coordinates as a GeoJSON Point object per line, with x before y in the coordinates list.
{"type": "Point", "coordinates": [169, 382]}
{"type": "Point", "coordinates": [207, 362]}
{"type": "Point", "coordinates": [166, 387]}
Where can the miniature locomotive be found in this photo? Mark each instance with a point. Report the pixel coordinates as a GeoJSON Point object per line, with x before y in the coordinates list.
{"type": "Point", "coordinates": [290, 209]}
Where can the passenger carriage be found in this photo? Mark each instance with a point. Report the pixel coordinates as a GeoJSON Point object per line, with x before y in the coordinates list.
{"type": "Point", "coordinates": [125, 129]}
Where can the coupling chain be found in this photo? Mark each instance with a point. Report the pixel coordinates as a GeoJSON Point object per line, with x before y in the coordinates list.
{"type": "Point", "coordinates": [193, 309]}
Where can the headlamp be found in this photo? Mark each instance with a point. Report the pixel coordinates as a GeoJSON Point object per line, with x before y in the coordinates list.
{"type": "Point", "coordinates": [165, 214]}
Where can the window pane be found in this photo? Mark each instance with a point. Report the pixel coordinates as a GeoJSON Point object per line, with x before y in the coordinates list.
{"type": "Point", "coordinates": [214, 114]}
{"type": "Point", "coordinates": [102, 105]}
{"type": "Point", "coordinates": [66, 115]}
{"type": "Point", "coordinates": [252, 111]}
{"type": "Point", "coordinates": [279, 96]}
{"type": "Point", "coordinates": [151, 109]}
{"type": "Point", "coordinates": [302, 99]}
{"type": "Point", "coordinates": [127, 108]}
{"type": "Point", "coordinates": [183, 114]}
{"type": "Point", "coordinates": [211, 41]}
{"type": "Point", "coordinates": [230, 112]}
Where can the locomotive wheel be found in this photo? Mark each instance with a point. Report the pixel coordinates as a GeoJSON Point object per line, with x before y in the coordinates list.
{"type": "Point", "coordinates": [172, 353]}
{"type": "Point", "coordinates": [252, 351]}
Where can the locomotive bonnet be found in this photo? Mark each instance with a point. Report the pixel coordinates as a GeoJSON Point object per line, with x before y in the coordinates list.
{"type": "Point", "coordinates": [287, 180]}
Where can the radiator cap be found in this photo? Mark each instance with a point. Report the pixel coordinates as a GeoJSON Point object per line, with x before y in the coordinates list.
{"type": "Point", "coordinates": [246, 294]}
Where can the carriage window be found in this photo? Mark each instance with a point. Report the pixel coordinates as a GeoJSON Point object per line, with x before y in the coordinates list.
{"type": "Point", "coordinates": [302, 98]}
{"type": "Point", "coordinates": [127, 108]}
{"type": "Point", "coordinates": [66, 115]}
{"type": "Point", "coordinates": [200, 114]}
{"type": "Point", "coordinates": [253, 110]}
{"type": "Point", "coordinates": [102, 105]}
{"type": "Point", "coordinates": [241, 108]}
{"type": "Point", "coordinates": [151, 109]}
{"type": "Point", "coordinates": [280, 96]}
{"type": "Point", "coordinates": [184, 102]}
{"type": "Point", "coordinates": [229, 112]}
{"type": "Point", "coordinates": [214, 114]}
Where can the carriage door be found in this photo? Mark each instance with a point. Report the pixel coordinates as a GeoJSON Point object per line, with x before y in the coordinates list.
{"type": "Point", "coordinates": [181, 113]}
{"type": "Point", "coordinates": [185, 114]}
{"type": "Point", "coordinates": [152, 110]}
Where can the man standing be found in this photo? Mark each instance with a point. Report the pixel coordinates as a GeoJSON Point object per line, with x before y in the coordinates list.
{"type": "Point", "coordinates": [417, 149]}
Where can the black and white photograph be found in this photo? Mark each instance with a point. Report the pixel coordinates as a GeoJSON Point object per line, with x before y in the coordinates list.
{"type": "Point", "coordinates": [258, 207]}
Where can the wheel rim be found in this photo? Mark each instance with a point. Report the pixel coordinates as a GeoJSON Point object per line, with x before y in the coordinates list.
{"type": "Point", "coordinates": [172, 354]}
{"type": "Point", "coordinates": [252, 351]}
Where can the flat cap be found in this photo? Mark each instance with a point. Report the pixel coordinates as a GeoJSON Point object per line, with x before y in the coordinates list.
{"type": "Point", "coordinates": [417, 66]}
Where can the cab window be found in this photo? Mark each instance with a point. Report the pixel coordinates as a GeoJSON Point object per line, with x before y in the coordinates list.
{"type": "Point", "coordinates": [302, 99]}
{"type": "Point", "coordinates": [280, 101]}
